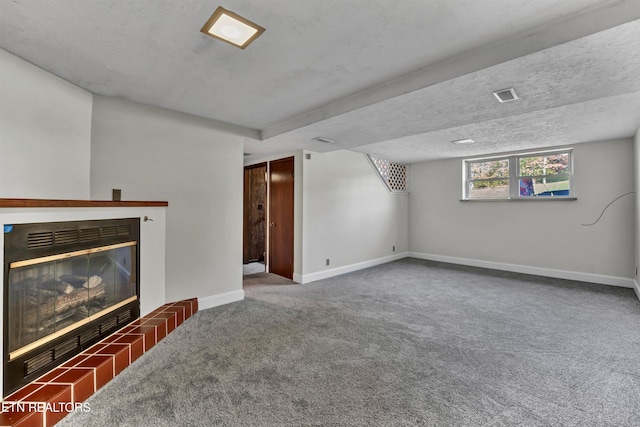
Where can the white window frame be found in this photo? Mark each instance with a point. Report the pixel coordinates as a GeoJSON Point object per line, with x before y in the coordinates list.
{"type": "Point", "coordinates": [514, 175]}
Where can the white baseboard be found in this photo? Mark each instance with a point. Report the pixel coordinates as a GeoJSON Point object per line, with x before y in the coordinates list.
{"type": "Point", "coordinates": [538, 271]}
{"type": "Point", "coordinates": [312, 277]}
{"type": "Point", "coordinates": [220, 299]}
{"type": "Point", "coordinates": [636, 287]}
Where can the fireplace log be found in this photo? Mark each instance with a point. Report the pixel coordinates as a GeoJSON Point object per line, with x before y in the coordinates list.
{"type": "Point", "coordinates": [52, 306]}
{"type": "Point", "coordinates": [92, 282]}
{"type": "Point", "coordinates": [57, 285]}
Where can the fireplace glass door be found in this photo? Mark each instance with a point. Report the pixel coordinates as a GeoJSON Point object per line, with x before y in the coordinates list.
{"type": "Point", "coordinates": [52, 295]}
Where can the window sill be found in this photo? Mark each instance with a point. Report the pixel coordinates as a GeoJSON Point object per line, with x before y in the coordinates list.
{"type": "Point", "coordinates": [528, 199]}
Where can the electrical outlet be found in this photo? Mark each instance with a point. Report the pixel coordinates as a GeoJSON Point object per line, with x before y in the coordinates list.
{"type": "Point", "coordinates": [327, 261]}
{"type": "Point", "coordinates": [394, 249]}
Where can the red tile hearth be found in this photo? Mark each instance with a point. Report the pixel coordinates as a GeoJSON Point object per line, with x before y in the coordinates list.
{"type": "Point", "coordinates": [51, 397]}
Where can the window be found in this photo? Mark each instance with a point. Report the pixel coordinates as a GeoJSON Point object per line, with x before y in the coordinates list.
{"type": "Point", "coordinates": [520, 176]}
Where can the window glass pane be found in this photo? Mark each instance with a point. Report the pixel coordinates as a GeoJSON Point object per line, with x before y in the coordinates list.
{"type": "Point", "coordinates": [489, 169]}
{"type": "Point", "coordinates": [558, 185]}
{"type": "Point", "coordinates": [492, 189]}
{"type": "Point", "coordinates": [552, 164]}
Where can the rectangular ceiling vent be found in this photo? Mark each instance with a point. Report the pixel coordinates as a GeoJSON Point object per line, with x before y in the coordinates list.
{"type": "Point", "coordinates": [323, 140]}
{"type": "Point", "coordinates": [505, 95]}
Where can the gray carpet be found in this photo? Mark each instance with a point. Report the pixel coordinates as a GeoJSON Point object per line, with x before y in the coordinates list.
{"type": "Point", "coordinates": [407, 343]}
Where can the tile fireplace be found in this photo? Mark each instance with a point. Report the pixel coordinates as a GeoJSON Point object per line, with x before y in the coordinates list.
{"type": "Point", "coordinates": [67, 285]}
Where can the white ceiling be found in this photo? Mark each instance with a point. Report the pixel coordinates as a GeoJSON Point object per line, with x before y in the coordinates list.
{"type": "Point", "coordinates": [399, 79]}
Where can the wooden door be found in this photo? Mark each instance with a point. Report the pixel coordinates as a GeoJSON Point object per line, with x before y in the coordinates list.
{"type": "Point", "coordinates": [281, 177]}
{"type": "Point", "coordinates": [255, 211]}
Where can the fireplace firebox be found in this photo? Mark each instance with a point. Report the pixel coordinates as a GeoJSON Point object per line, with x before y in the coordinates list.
{"type": "Point", "coordinates": [67, 285]}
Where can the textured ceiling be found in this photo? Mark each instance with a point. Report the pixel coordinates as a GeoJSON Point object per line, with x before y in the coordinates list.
{"type": "Point", "coordinates": [399, 79]}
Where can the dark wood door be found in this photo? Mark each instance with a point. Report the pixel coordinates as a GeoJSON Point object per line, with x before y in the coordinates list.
{"type": "Point", "coordinates": [281, 179]}
{"type": "Point", "coordinates": [255, 212]}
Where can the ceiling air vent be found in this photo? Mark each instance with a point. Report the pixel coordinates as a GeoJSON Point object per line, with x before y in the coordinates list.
{"type": "Point", "coordinates": [39, 240]}
{"type": "Point", "coordinates": [506, 95]}
{"type": "Point", "coordinates": [323, 140]}
{"type": "Point", "coordinates": [65, 237]}
{"type": "Point", "coordinates": [463, 141]}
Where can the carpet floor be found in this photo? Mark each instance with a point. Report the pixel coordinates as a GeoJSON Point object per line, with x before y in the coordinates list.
{"type": "Point", "coordinates": [411, 342]}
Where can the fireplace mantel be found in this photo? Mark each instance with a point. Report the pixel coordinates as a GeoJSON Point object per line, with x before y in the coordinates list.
{"type": "Point", "coordinates": [53, 203]}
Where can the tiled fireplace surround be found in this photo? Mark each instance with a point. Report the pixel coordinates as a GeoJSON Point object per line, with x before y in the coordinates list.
{"type": "Point", "coordinates": [51, 397]}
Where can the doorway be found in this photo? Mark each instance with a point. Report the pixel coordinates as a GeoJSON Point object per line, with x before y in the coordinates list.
{"type": "Point", "coordinates": [268, 227]}
{"type": "Point", "coordinates": [281, 189]}
{"type": "Point", "coordinates": [255, 217]}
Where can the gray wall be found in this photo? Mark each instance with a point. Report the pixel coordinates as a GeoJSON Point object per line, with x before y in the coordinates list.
{"type": "Point", "coordinates": [155, 154]}
{"type": "Point", "coordinates": [45, 133]}
{"type": "Point", "coordinates": [349, 216]}
{"type": "Point", "coordinates": [543, 234]}
{"type": "Point", "coordinates": [342, 212]}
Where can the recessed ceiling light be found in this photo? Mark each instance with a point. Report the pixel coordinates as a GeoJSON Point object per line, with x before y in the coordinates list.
{"type": "Point", "coordinates": [323, 140]}
{"type": "Point", "coordinates": [231, 28]}
{"type": "Point", "coordinates": [463, 141]}
{"type": "Point", "coordinates": [505, 95]}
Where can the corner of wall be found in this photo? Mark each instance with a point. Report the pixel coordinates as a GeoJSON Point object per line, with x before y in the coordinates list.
{"type": "Point", "coordinates": [636, 169]}
{"type": "Point", "coordinates": [350, 218]}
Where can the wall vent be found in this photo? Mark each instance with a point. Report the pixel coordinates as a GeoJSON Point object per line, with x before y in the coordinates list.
{"type": "Point", "coordinates": [394, 175]}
